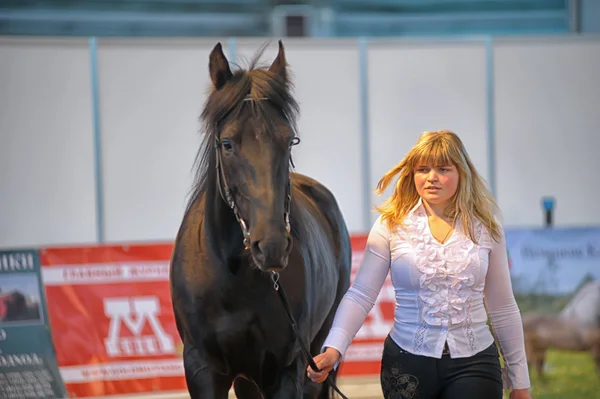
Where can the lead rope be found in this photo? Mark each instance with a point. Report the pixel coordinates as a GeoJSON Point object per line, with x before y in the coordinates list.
{"type": "Point", "coordinates": [277, 286]}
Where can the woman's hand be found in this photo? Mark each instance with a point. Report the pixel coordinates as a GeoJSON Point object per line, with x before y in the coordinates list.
{"type": "Point", "coordinates": [325, 362]}
{"type": "Point", "coordinates": [520, 394]}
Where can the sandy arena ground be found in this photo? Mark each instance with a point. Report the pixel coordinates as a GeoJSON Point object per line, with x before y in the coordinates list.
{"type": "Point", "coordinates": [352, 387]}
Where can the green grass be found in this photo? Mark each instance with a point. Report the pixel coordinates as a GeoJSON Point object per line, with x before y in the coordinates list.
{"type": "Point", "coordinates": [569, 375]}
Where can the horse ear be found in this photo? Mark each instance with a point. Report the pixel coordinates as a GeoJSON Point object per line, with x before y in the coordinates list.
{"type": "Point", "coordinates": [218, 67]}
{"type": "Point", "coordinates": [279, 65]}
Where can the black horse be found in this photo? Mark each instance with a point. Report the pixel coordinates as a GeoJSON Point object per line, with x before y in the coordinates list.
{"type": "Point", "coordinates": [250, 220]}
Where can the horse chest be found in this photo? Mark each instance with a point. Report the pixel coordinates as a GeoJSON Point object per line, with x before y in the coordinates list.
{"type": "Point", "coordinates": [233, 324]}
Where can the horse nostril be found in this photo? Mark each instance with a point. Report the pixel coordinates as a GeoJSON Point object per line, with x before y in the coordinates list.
{"type": "Point", "coordinates": [256, 251]}
{"type": "Point", "coordinates": [256, 247]}
{"type": "Point", "coordinates": [271, 253]}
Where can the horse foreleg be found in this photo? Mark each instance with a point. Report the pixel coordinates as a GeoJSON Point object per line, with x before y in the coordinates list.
{"type": "Point", "coordinates": [312, 390]}
{"type": "Point", "coordinates": [245, 389]}
{"type": "Point", "coordinates": [291, 383]}
{"type": "Point", "coordinates": [202, 382]}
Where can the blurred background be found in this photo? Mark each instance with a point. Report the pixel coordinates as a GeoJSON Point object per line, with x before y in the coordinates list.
{"type": "Point", "coordinates": [99, 107]}
{"type": "Point", "coordinates": [317, 18]}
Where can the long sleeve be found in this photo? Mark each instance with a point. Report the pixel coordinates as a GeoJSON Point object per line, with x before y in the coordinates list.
{"type": "Point", "coordinates": [505, 316]}
{"type": "Point", "coordinates": [360, 297]}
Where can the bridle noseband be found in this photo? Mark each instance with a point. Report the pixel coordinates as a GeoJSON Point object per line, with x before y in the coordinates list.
{"type": "Point", "coordinates": [228, 197]}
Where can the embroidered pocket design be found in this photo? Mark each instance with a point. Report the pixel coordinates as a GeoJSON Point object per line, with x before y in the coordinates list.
{"type": "Point", "coordinates": [396, 385]}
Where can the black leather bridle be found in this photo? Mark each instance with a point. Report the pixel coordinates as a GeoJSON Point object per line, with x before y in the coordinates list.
{"type": "Point", "coordinates": [228, 198]}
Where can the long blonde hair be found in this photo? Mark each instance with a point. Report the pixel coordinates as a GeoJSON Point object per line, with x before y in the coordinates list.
{"type": "Point", "coordinates": [472, 199]}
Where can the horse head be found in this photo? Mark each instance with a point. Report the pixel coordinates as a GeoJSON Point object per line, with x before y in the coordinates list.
{"type": "Point", "coordinates": [250, 119]}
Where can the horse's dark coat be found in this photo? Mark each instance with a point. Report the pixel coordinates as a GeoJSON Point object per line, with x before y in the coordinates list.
{"type": "Point", "coordinates": [230, 319]}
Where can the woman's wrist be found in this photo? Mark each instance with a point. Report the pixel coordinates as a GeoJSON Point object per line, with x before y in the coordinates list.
{"type": "Point", "coordinates": [333, 351]}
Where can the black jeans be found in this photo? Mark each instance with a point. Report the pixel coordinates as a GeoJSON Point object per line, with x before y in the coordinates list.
{"type": "Point", "coordinates": [408, 376]}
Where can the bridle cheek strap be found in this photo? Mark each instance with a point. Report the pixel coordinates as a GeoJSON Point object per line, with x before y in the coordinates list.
{"type": "Point", "coordinates": [228, 197]}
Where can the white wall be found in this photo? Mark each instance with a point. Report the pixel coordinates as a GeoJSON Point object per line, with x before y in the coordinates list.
{"type": "Point", "coordinates": [545, 98]}
{"type": "Point", "coordinates": [46, 165]}
{"type": "Point", "coordinates": [151, 93]}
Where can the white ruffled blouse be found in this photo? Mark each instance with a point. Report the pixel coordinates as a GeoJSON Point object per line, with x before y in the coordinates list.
{"type": "Point", "coordinates": [440, 292]}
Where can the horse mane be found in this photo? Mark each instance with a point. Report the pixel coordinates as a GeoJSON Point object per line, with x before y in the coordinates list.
{"type": "Point", "coordinates": [260, 84]}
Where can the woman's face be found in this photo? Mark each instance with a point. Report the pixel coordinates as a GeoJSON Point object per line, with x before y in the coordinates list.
{"type": "Point", "coordinates": [436, 184]}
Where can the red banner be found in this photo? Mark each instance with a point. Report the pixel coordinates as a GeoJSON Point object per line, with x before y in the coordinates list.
{"type": "Point", "coordinates": [112, 322]}
{"type": "Point", "coordinates": [113, 326]}
{"type": "Point", "coordinates": [363, 356]}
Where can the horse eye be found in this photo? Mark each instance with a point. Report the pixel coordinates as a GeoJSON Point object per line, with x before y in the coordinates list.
{"type": "Point", "coordinates": [227, 145]}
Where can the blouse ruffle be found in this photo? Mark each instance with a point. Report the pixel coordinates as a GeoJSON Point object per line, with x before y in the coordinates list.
{"type": "Point", "coordinates": [448, 272]}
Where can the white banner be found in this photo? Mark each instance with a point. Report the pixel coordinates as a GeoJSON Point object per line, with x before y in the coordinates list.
{"type": "Point", "coordinates": [553, 261]}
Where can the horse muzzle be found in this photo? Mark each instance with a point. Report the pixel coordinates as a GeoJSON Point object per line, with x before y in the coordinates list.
{"type": "Point", "coordinates": [271, 253]}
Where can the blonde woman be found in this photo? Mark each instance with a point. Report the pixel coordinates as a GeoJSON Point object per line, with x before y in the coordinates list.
{"type": "Point", "coordinates": [439, 237]}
